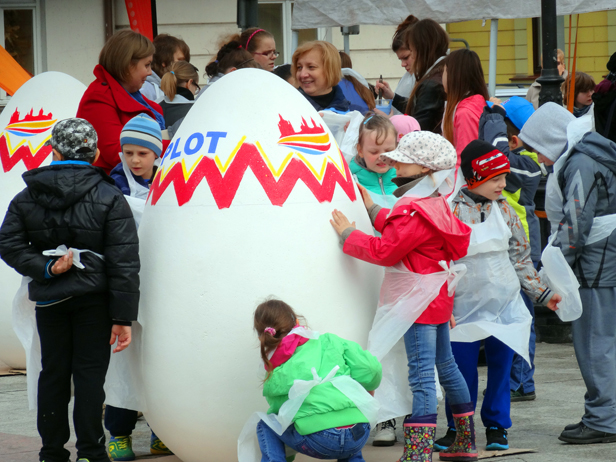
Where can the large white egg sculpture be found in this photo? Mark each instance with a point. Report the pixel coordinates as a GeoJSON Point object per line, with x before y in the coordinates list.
{"type": "Point", "coordinates": [239, 210]}
{"type": "Point", "coordinates": [25, 124]}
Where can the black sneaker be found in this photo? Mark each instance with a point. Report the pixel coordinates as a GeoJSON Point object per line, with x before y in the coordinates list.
{"type": "Point", "coordinates": [445, 441]}
{"type": "Point", "coordinates": [585, 435]}
{"type": "Point", "coordinates": [519, 395]}
{"type": "Point", "coordinates": [496, 439]}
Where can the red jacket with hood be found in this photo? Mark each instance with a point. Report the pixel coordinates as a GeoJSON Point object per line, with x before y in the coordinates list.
{"type": "Point", "coordinates": [420, 233]}
{"type": "Point", "coordinates": [108, 107]}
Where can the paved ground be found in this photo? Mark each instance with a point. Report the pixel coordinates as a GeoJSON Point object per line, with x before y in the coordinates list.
{"type": "Point", "coordinates": [536, 424]}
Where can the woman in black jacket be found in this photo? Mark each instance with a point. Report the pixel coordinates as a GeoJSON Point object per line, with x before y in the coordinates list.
{"type": "Point", "coordinates": [427, 43]}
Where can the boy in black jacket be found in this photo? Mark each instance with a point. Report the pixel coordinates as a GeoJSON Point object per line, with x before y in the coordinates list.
{"type": "Point", "coordinates": [79, 312]}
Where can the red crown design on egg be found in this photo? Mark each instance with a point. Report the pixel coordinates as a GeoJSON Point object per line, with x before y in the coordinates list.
{"type": "Point", "coordinates": [313, 140]}
{"type": "Point", "coordinates": [224, 180]}
{"type": "Point", "coordinates": [15, 140]}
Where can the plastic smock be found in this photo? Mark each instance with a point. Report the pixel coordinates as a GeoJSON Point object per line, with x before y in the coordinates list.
{"type": "Point", "coordinates": [248, 449]}
{"type": "Point", "coordinates": [404, 297]}
{"type": "Point", "coordinates": [24, 322]}
{"type": "Point", "coordinates": [124, 377]}
{"type": "Point", "coordinates": [488, 301]}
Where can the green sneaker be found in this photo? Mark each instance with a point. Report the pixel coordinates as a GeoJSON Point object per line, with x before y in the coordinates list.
{"type": "Point", "coordinates": [158, 447]}
{"type": "Point", "coordinates": [121, 448]}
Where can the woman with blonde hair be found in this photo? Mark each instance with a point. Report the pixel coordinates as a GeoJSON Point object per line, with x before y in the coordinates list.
{"type": "Point", "coordinates": [317, 69]}
{"type": "Point", "coordinates": [180, 85]}
{"type": "Point", "coordinates": [114, 98]}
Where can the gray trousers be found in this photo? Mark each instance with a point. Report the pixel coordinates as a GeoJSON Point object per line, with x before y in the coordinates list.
{"type": "Point", "coordinates": [594, 340]}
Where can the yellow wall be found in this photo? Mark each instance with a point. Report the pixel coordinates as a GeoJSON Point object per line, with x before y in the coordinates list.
{"type": "Point", "coordinates": [596, 43]}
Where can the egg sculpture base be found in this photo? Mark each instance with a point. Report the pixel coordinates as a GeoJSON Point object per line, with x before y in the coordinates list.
{"type": "Point", "coordinates": [25, 124]}
{"type": "Point", "coordinates": [239, 210]}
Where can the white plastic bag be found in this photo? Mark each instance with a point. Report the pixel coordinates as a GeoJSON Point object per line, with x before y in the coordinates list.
{"type": "Point", "coordinates": [559, 277]}
{"type": "Point", "coordinates": [24, 325]}
{"type": "Point", "coordinates": [346, 137]}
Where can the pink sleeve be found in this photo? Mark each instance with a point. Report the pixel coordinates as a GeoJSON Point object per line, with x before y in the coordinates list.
{"type": "Point", "coordinates": [465, 128]}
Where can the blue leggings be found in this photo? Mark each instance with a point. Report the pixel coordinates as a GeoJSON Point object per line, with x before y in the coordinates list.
{"type": "Point", "coordinates": [495, 410]}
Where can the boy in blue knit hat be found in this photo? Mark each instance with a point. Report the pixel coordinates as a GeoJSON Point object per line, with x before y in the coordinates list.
{"type": "Point", "coordinates": [142, 143]}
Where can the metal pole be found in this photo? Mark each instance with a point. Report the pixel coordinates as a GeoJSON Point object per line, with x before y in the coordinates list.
{"type": "Point", "coordinates": [550, 79]}
{"type": "Point", "coordinates": [492, 66]}
{"type": "Point", "coordinates": [347, 47]}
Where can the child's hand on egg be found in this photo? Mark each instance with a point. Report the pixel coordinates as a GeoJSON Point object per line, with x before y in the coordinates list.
{"type": "Point", "coordinates": [365, 195]}
{"type": "Point", "coordinates": [340, 222]}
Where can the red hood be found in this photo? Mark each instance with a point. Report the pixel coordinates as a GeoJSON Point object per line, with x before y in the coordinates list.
{"type": "Point", "coordinates": [437, 212]}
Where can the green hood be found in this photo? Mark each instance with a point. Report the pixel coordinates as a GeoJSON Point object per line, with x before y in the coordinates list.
{"type": "Point", "coordinates": [325, 407]}
{"type": "Point", "coordinates": [370, 180]}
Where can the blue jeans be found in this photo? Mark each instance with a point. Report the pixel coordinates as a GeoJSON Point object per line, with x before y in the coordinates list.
{"type": "Point", "coordinates": [428, 345]}
{"type": "Point", "coordinates": [344, 444]}
{"type": "Point", "coordinates": [495, 409]}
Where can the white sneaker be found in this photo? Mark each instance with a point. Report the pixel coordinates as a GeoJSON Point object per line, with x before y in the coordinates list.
{"type": "Point", "coordinates": [385, 434]}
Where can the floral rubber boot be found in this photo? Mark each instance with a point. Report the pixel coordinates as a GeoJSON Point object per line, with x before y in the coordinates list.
{"type": "Point", "coordinates": [463, 448]}
{"type": "Point", "coordinates": [418, 440]}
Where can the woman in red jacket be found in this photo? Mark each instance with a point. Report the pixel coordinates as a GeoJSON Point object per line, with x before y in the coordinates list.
{"type": "Point", "coordinates": [466, 97]}
{"type": "Point", "coordinates": [419, 236]}
{"type": "Point", "coordinates": [114, 98]}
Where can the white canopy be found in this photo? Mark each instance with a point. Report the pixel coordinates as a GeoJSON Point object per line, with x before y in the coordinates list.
{"type": "Point", "coordinates": [308, 14]}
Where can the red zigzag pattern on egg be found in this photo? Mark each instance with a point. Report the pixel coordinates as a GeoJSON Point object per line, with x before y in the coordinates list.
{"type": "Point", "coordinates": [225, 187]}
{"type": "Point", "coordinates": [31, 160]}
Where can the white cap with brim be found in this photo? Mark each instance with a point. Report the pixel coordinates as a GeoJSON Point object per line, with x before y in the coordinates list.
{"type": "Point", "coordinates": [423, 148]}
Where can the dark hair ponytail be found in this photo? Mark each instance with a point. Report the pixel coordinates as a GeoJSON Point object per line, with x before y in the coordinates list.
{"type": "Point", "coordinates": [278, 319]}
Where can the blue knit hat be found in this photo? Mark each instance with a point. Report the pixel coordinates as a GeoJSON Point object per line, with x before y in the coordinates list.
{"type": "Point", "coordinates": [143, 131]}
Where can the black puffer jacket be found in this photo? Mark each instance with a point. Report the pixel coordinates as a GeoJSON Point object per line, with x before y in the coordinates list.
{"type": "Point", "coordinates": [76, 205]}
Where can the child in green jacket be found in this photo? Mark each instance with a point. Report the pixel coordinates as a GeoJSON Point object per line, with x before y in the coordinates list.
{"type": "Point", "coordinates": [335, 373]}
{"type": "Point", "coordinates": [376, 136]}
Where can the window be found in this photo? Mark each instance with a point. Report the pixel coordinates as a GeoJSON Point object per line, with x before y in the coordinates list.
{"type": "Point", "coordinates": [19, 35]}
{"type": "Point", "coordinates": [276, 17]}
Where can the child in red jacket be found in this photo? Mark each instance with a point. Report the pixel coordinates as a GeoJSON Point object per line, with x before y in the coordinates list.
{"type": "Point", "coordinates": [419, 235]}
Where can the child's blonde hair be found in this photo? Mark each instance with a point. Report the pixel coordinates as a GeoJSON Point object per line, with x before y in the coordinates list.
{"type": "Point", "coordinates": [375, 122]}
{"type": "Point", "coordinates": [179, 73]}
{"type": "Point", "coordinates": [273, 320]}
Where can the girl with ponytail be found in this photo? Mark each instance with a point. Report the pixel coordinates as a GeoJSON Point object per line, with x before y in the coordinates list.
{"type": "Point", "coordinates": [179, 85]}
{"type": "Point", "coordinates": [328, 424]}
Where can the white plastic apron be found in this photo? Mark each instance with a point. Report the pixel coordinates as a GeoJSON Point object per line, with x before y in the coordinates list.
{"type": "Point", "coordinates": [404, 297]}
{"type": "Point", "coordinates": [124, 377]}
{"type": "Point", "coordinates": [248, 444]}
{"type": "Point", "coordinates": [556, 271]}
{"type": "Point", "coordinates": [24, 323]}
{"type": "Point", "coordinates": [488, 301]}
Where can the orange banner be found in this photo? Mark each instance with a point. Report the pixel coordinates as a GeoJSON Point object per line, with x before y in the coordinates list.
{"type": "Point", "coordinates": [13, 75]}
{"type": "Point", "coordinates": [140, 16]}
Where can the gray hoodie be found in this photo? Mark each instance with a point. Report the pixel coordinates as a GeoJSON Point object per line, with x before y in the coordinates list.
{"type": "Point", "coordinates": [588, 183]}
